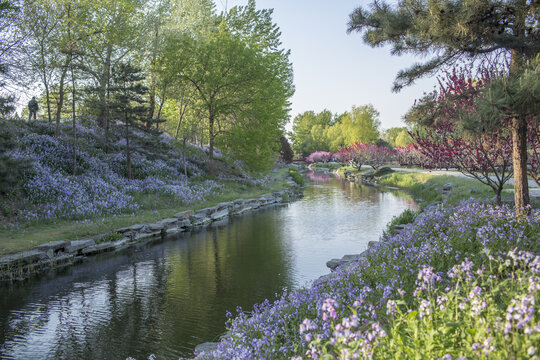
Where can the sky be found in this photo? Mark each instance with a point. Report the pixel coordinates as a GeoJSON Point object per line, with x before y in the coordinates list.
{"type": "Point", "coordinates": [334, 70]}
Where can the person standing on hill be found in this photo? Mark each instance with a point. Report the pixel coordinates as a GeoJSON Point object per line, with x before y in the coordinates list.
{"type": "Point", "coordinates": [33, 107]}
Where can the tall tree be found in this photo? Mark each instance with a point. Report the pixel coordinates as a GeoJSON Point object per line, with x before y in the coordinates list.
{"type": "Point", "coordinates": [361, 124]}
{"type": "Point", "coordinates": [448, 31]}
{"type": "Point", "coordinates": [40, 22]}
{"type": "Point", "coordinates": [117, 28]}
{"type": "Point", "coordinates": [307, 135]}
{"type": "Point", "coordinates": [242, 85]}
{"type": "Point", "coordinates": [127, 102]}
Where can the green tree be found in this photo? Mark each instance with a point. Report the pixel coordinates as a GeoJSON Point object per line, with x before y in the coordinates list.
{"type": "Point", "coordinates": [127, 102]}
{"type": "Point", "coordinates": [403, 138]}
{"type": "Point", "coordinates": [390, 135]}
{"type": "Point", "coordinates": [448, 31]}
{"type": "Point", "coordinates": [241, 86]}
{"type": "Point", "coordinates": [116, 37]}
{"type": "Point", "coordinates": [361, 124]}
{"type": "Point", "coordinates": [308, 132]}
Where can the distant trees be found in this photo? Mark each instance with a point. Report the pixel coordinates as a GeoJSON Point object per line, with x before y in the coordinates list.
{"type": "Point", "coordinates": [327, 132]}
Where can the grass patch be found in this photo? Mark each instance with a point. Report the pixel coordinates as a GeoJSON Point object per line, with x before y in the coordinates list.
{"type": "Point", "coordinates": [328, 165]}
{"type": "Point", "coordinates": [427, 187]}
{"type": "Point", "coordinates": [154, 208]}
{"type": "Point", "coordinates": [295, 175]}
{"type": "Point", "coordinates": [406, 217]}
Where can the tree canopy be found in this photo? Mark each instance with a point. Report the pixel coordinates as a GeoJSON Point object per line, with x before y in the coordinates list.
{"type": "Point", "coordinates": [449, 31]}
{"type": "Point", "coordinates": [218, 78]}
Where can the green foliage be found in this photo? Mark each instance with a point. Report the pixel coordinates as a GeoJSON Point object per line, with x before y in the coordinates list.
{"type": "Point", "coordinates": [11, 168]}
{"type": "Point", "coordinates": [507, 96]}
{"type": "Point", "coordinates": [326, 132]}
{"type": "Point", "coordinates": [406, 217]}
{"type": "Point", "coordinates": [390, 135]}
{"type": "Point", "coordinates": [307, 136]}
{"type": "Point", "coordinates": [240, 81]}
{"type": "Point", "coordinates": [447, 31]}
{"type": "Point", "coordinates": [403, 138]}
{"type": "Point", "coordinates": [109, 237]}
{"type": "Point", "coordinates": [296, 176]}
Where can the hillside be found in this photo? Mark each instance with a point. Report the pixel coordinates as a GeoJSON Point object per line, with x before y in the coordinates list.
{"type": "Point", "coordinates": [45, 192]}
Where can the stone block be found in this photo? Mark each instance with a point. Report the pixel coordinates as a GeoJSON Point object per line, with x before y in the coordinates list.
{"type": "Point", "coordinates": [184, 214]}
{"type": "Point", "coordinates": [206, 347]}
{"type": "Point", "coordinates": [23, 257]}
{"type": "Point", "coordinates": [98, 248]}
{"type": "Point", "coordinates": [53, 245]}
{"type": "Point", "coordinates": [77, 245]}
{"type": "Point", "coordinates": [220, 214]}
{"type": "Point", "coordinates": [156, 227]}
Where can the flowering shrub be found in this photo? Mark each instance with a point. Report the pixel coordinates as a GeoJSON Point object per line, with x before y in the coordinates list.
{"type": "Point", "coordinates": [410, 156]}
{"type": "Point", "coordinates": [359, 154]}
{"type": "Point", "coordinates": [319, 156]}
{"type": "Point", "coordinates": [486, 312]}
{"type": "Point", "coordinates": [361, 311]}
{"type": "Point", "coordinates": [99, 186]}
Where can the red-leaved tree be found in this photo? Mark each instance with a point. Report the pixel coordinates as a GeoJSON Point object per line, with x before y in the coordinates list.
{"type": "Point", "coordinates": [378, 155]}
{"type": "Point", "coordinates": [410, 156]}
{"type": "Point", "coordinates": [487, 156]}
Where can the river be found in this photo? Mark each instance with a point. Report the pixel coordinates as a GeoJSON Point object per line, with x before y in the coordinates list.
{"type": "Point", "coordinates": [166, 298]}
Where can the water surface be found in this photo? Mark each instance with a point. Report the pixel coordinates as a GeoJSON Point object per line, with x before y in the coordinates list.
{"type": "Point", "coordinates": [166, 298]}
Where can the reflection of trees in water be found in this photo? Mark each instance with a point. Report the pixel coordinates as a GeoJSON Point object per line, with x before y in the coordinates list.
{"type": "Point", "coordinates": [163, 300]}
{"type": "Point", "coordinates": [319, 177]}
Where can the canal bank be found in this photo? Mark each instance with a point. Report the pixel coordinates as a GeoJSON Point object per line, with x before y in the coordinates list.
{"type": "Point", "coordinates": [165, 298]}
{"type": "Point", "coordinates": [60, 254]}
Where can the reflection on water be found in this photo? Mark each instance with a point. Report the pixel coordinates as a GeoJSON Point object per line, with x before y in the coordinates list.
{"type": "Point", "coordinates": [166, 298]}
{"type": "Point", "coordinates": [320, 177]}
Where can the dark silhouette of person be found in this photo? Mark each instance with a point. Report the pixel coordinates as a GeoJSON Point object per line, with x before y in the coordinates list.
{"type": "Point", "coordinates": [33, 107]}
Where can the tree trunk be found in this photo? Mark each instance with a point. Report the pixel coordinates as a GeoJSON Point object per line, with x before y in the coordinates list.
{"type": "Point", "coordinates": [519, 123]}
{"type": "Point", "coordinates": [60, 103]}
{"type": "Point", "coordinates": [128, 150]}
{"type": "Point", "coordinates": [45, 80]}
{"type": "Point", "coordinates": [74, 122]}
{"type": "Point", "coordinates": [211, 143]}
{"type": "Point", "coordinates": [519, 159]}
{"type": "Point", "coordinates": [48, 99]}
{"type": "Point", "coordinates": [104, 86]}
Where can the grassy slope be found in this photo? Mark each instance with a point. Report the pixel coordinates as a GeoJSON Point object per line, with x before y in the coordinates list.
{"type": "Point", "coordinates": [17, 234]}
{"type": "Point", "coordinates": [427, 186]}
{"type": "Point", "coordinates": [11, 241]}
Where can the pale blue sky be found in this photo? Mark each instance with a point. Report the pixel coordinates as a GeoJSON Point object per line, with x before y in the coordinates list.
{"type": "Point", "coordinates": [334, 70]}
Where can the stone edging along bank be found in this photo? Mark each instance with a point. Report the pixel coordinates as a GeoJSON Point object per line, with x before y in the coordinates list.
{"type": "Point", "coordinates": [60, 254]}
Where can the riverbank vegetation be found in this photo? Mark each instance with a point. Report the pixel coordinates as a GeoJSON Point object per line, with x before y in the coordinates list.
{"type": "Point", "coordinates": [435, 290]}
{"type": "Point", "coordinates": [47, 202]}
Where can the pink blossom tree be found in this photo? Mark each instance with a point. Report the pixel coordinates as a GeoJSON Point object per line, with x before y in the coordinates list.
{"type": "Point", "coordinates": [487, 156]}
{"type": "Point", "coordinates": [319, 156]}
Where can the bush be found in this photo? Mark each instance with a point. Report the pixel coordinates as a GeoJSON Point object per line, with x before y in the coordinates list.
{"type": "Point", "coordinates": [406, 217]}
{"type": "Point", "coordinates": [295, 175]}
